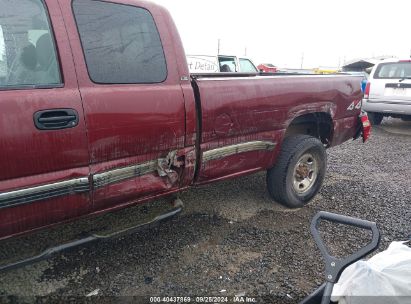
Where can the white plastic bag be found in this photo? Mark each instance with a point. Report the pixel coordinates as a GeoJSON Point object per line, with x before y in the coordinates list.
{"type": "Point", "coordinates": [385, 278]}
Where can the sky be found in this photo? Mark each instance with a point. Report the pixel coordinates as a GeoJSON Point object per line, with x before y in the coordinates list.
{"type": "Point", "coordinates": [291, 33]}
{"type": "Point", "coordinates": [294, 33]}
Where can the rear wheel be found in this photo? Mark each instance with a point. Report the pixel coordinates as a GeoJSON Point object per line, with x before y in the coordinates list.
{"type": "Point", "coordinates": [299, 172]}
{"type": "Point", "coordinates": [375, 118]}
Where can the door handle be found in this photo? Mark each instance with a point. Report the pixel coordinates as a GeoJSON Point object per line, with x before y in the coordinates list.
{"type": "Point", "coordinates": [56, 119]}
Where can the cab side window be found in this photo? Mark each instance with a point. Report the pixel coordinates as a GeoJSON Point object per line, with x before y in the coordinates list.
{"type": "Point", "coordinates": [227, 64]}
{"type": "Point", "coordinates": [121, 43]}
{"type": "Point", "coordinates": [247, 66]}
{"type": "Point", "coordinates": [27, 50]}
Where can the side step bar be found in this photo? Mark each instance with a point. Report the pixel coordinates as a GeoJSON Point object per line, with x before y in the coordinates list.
{"type": "Point", "coordinates": [92, 238]}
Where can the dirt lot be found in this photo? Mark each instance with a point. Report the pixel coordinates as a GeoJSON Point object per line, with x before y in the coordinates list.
{"type": "Point", "coordinates": [231, 239]}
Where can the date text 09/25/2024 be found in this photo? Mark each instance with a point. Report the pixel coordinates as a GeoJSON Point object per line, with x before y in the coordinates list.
{"type": "Point", "coordinates": [235, 299]}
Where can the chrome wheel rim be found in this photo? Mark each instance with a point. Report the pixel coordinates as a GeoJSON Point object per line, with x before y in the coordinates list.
{"type": "Point", "coordinates": [305, 173]}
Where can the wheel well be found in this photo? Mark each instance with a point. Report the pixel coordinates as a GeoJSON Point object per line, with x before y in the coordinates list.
{"type": "Point", "coordinates": [319, 125]}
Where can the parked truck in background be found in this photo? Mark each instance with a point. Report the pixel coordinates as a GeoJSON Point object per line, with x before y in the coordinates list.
{"type": "Point", "coordinates": [200, 64]}
{"type": "Point", "coordinates": [99, 112]}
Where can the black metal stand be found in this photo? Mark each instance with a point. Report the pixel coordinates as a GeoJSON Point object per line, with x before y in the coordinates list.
{"type": "Point", "coordinates": [334, 266]}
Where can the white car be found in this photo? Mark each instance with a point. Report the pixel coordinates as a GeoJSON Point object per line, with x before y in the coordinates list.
{"type": "Point", "coordinates": [388, 91]}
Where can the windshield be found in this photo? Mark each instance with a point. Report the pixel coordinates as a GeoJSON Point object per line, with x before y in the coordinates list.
{"type": "Point", "coordinates": [395, 70]}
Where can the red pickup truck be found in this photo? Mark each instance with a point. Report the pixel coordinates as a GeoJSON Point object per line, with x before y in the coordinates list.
{"type": "Point", "coordinates": [99, 112]}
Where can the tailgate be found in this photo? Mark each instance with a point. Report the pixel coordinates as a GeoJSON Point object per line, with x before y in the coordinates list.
{"type": "Point", "coordinates": [398, 91]}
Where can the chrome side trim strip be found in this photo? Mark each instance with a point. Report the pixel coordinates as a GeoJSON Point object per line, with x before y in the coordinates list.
{"type": "Point", "coordinates": [118, 175]}
{"type": "Point", "coordinates": [30, 195]}
{"type": "Point", "coordinates": [81, 185]}
{"type": "Point", "coordinates": [220, 153]}
{"type": "Point", "coordinates": [395, 102]}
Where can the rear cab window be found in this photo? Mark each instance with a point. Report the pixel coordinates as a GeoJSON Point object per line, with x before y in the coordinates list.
{"type": "Point", "coordinates": [28, 56]}
{"type": "Point", "coordinates": [393, 70]}
{"type": "Point", "coordinates": [121, 43]}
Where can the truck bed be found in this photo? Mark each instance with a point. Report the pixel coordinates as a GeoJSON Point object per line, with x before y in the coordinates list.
{"type": "Point", "coordinates": [240, 108]}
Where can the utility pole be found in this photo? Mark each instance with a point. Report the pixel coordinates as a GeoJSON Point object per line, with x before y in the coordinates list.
{"type": "Point", "coordinates": [302, 60]}
{"type": "Point", "coordinates": [245, 52]}
{"type": "Point", "coordinates": [218, 51]}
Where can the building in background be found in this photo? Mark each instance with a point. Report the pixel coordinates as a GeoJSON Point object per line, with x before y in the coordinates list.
{"type": "Point", "coordinates": [362, 64]}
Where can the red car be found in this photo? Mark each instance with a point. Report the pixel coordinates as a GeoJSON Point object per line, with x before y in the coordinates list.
{"type": "Point", "coordinates": [98, 112]}
{"type": "Point", "coordinates": [267, 68]}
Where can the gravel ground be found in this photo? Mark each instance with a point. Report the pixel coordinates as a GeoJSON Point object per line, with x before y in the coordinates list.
{"type": "Point", "coordinates": [232, 240]}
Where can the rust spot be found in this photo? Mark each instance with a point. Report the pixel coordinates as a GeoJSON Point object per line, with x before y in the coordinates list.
{"type": "Point", "coordinates": [303, 171]}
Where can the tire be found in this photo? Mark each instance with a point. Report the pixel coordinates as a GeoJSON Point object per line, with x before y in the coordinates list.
{"type": "Point", "coordinates": [375, 118]}
{"type": "Point", "coordinates": [283, 181]}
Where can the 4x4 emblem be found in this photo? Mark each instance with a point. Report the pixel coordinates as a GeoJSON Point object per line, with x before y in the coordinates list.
{"type": "Point", "coordinates": [356, 104]}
